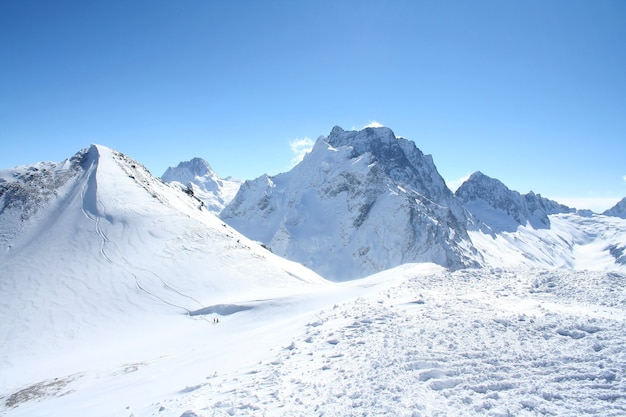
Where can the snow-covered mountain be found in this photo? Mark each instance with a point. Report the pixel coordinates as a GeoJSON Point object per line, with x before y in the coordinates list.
{"type": "Point", "coordinates": [618, 210]}
{"type": "Point", "coordinates": [95, 249]}
{"type": "Point", "coordinates": [196, 177]}
{"type": "Point", "coordinates": [501, 209]}
{"type": "Point", "coordinates": [358, 203]}
{"type": "Point", "coordinates": [364, 201]}
{"type": "Point", "coordinates": [110, 282]}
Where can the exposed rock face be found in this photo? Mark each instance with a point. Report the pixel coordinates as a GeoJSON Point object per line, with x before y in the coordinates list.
{"type": "Point", "coordinates": [360, 202]}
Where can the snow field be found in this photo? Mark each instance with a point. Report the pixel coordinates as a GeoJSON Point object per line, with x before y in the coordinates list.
{"type": "Point", "coordinates": [413, 341]}
{"type": "Point", "coordinates": [480, 342]}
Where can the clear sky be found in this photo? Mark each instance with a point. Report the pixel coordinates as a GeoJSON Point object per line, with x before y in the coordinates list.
{"type": "Point", "coordinates": [530, 92]}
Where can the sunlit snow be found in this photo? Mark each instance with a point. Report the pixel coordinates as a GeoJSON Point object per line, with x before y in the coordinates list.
{"type": "Point", "coordinates": [121, 295]}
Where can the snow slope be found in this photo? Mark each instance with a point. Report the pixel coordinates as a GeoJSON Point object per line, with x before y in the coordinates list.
{"type": "Point", "coordinates": [595, 243]}
{"type": "Point", "coordinates": [198, 178]}
{"type": "Point", "coordinates": [100, 256]}
{"type": "Point", "coordinates": [416, 340]}
{"type": "Point", "coordinates": [431, 342]}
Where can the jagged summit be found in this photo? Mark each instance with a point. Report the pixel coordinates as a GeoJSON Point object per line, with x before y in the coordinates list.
{"type": "Point", "coordinates": [189, 170]}
{"type": "Point", "coordinates": [618, 210]}
{"type": "Point", "coordinates": [358, 203]}
{"type": "Point", "coordinates": [360, 138]}
{"type": "Point", "coordinates": [399, 158]}
{"type": "Point", "coordinates": [336, 130]}
{"type": "Point", "coordinates": [197, 176]}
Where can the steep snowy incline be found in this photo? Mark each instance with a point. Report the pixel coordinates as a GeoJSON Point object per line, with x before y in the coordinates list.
{"type": "Point", "coordinates": [198, 178]}
{"type": "Point", "coordinates": [111, 254]}
{"type": "Point", "coordinates": [359, 202]}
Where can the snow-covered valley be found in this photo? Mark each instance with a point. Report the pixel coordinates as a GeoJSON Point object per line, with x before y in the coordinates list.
{"type": "Point", "coordinates": [121, 295]}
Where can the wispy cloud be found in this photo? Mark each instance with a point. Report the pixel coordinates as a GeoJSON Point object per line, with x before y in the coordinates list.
{"type": "Point", "coordinates": [300, 147]}
{"type": "Point", "coordinates": [624, 178]}
{"type": "Point", "coordinates": [455, 184]}
{"type": "Point", "coordinates": [373, 123]}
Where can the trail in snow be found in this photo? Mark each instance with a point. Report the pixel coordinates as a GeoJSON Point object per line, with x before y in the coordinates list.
{"type": "Point", "coordinates": [91, 186]}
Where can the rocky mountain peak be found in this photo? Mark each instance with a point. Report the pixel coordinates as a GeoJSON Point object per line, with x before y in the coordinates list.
{"type": "Point", "coordinates": [188, 171]}
{"type": "Point", "coordinates": [197, 177]}
{"type": "Point", "coordinates": [359, 202]}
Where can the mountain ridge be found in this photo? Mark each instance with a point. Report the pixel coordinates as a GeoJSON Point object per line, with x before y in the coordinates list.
{"type": "Point", "coordinates": [502, 209]}
{"type": "Point", "coordinates": [110, 246]}
{"type": "Point", "coordinates": [112, 278]}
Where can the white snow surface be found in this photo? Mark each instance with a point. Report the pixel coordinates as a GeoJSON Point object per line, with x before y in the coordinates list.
{"type": "Point", "coordinates": [416, 340]}
{"type": "Point", "coordinates": [110, 282]}
{"type": "Point", "coordinates": [595, 242]}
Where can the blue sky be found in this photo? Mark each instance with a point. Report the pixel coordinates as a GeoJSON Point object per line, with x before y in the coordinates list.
{"type": "Point", "coordinates": [530, 92]}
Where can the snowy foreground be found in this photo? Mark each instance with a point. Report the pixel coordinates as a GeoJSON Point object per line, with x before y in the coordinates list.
{"type": "Point", "coordinates": [416, 340]}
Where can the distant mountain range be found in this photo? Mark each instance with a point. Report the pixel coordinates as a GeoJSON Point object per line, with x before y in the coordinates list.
{"type": "Point", "coordinates": [360, 202]}
{"type": "Point", "coordinates": [364, 201]}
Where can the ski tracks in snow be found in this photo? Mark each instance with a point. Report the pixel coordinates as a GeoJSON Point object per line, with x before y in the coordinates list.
{"type": "Point", "coordinates": [437, 346]}
{"type": "Point", "coordinates": [95, 211]}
